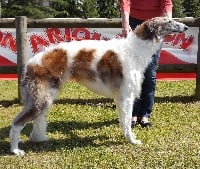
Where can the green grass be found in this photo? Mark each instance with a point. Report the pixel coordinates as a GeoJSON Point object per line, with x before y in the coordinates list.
{"type": "Point", "coordinates": [83, 131]}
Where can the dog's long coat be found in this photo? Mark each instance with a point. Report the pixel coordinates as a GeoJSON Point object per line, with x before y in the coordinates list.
{"type": "Point", "coordinates": [112, 68]}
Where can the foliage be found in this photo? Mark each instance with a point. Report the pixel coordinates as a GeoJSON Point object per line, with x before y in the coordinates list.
{"type": "Point", "coordinates": [83, 131]}
{"type": "Point", "coordinates": [192, 8]}
{"type": "Point", "coordinates": [109, 9]}
{"type": "Point", "coordinates": [60, 7]}
{"type": "Point", "coordinates": [90, 9]}
{"type": "Point", "coordinates": [178, 9]}
{"type": "Point", "coordinates": [12, 8]}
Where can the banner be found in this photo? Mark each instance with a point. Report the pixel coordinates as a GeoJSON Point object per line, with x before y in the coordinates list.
{"type": "Point", "coordinates": [177, 48]}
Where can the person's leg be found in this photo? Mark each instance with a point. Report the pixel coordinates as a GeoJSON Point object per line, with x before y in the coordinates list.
{"type": "Point", "coordinates": [148, 90]}
{"type": "Point", "coordinates": [136, 112]}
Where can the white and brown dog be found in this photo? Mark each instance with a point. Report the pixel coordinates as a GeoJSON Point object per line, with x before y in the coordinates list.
{"type": "Point", "coordinates": [111, 68]}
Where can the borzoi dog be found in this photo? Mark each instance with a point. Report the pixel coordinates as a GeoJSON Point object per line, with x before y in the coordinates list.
{"type": "Point", "coordinates": [111, 68]}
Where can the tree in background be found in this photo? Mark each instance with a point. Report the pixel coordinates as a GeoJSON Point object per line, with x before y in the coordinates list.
{"type": "Point", "coordinates": [90, 9]}
{"type": "Point", "coordinates": [29, 8]}
{"type": "Point", "coordinates": [61, 8]}
{"type": "Point", "coordinates": [192, 8]}
{"type": "Point", "coordinates": [109, 8]}
{"type": "Point", "coordinates": [85, 8]}
{"type": "Point", "coordinates": [178, 9]}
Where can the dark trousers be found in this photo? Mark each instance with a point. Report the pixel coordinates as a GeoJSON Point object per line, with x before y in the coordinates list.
{"type": "Point", "coordinates": [143, 106]}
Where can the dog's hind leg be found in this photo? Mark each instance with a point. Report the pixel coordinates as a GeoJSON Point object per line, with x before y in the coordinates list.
{"type": "Point", "coordinates": [38, 133]}
{"type": "Point", "coordinates": [34, 109]}
{"type": "Point", "coordinates": [36, 113]}
{"type": "Point", "coordinates": [26, 115]}
{"type": "Point", "coordinates": [124, 104]}
{"type": "Point", "coordinates": [14, 138]}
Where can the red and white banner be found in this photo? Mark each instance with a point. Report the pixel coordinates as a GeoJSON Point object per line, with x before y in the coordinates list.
{"type": "Point", "coordinates": [177, 49]}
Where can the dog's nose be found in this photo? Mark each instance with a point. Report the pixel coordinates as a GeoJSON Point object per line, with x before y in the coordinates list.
{"type": "Point", "coordinates": [185, 28]}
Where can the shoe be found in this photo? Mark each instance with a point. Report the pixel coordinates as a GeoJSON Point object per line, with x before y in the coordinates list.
{"type": "Point", "coordinates": [145, 124]}
{"type": "Point", "coordinates": [134, 124]}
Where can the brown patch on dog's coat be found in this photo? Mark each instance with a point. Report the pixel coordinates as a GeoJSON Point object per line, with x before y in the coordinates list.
{"type": "Point", "coordinates": [36, 71]}
{"type": "Point", "coordinates": [143, 32]}
{"type": "Point", "coordinates": [81, 66]}
{"type": "Point", "coordinates": [110, 69]}
{"type": "Point", "coordinates": [54, 64]}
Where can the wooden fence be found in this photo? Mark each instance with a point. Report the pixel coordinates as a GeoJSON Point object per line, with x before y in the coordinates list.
{"type": "Point", "coordinates": [21, 23]}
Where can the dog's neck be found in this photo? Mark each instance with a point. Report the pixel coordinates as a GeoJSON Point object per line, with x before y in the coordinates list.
{"type": "Point", "coordinates": [143, 48]}
{"type": "Point", "coordinates": [150, 43]}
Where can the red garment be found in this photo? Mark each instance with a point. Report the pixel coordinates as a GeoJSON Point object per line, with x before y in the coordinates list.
{"type": "Point", "coordinates": [146, 9]}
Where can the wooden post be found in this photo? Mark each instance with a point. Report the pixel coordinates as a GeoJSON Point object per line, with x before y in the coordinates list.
{"type": "Point", "coordinates": [22, 54]}
{"type": "Point", "coordinates": [197, 91]}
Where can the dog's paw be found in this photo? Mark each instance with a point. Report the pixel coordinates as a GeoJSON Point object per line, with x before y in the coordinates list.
{"type": "Point", "coordinates": [138, 142]}
{"type": "Point", "coordinates": [134, 141]}
{"type": "Point", "coordinates": [18, 152]}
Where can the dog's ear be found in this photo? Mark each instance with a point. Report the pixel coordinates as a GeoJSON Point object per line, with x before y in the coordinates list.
{"type": "Point", "coordinates": [151, 26]}
{"type": "Point", "coordinates": [154, 29]}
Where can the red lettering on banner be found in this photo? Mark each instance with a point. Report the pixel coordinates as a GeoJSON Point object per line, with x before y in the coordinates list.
{"type": "Point", "coordinates": [75, 34]}
{"type": "Point", "coordinates": [77, 31]}
{"type": "Point", "coordinates": [106, 38]}
{"type": "Point", "coordinates": [54, 35]}
{"type": "Point", "coordinates": [8, 41]}
{"type": "Point", "coordinates": [170, 38]}
{"type": "Point", "coordinates": [67, 35]}
{"type": "Point", "coordinates": [187, 42]}
{"type": "Point", "coordinates": [96, 36]}
{"type": "Point", "coordinates": [37, 42]}
{"type": "Point", "coordinates": [181, 39]}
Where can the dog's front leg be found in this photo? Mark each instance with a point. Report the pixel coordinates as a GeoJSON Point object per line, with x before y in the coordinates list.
{"type": "Point", "coordinates": [124, 104]}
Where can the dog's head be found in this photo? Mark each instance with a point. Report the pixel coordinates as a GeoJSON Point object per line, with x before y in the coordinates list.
{"type": "Point", "coordinates": [156, 28]}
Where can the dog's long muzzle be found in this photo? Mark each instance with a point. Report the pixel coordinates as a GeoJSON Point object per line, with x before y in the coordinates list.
{"type": "Point", "coordinates": [186, 28]}
{"type": "Point", "coordinates": [183, 27]}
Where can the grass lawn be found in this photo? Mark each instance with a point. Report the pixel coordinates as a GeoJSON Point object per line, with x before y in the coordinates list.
{"type": "Point", "coordinates": [83, 132]}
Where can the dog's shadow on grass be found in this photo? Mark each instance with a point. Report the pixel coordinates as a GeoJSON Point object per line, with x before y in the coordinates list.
{"type": "Point", "coordinates": [7, 103]}
{"type": "Point", "coordinates": [92, 102]}
{"type": "Point", "coordinates": [68, 138]}
{"type": "Point", "coordinates": [106, 101]}
{"type": "Point", "coordinates": [177, 99]}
